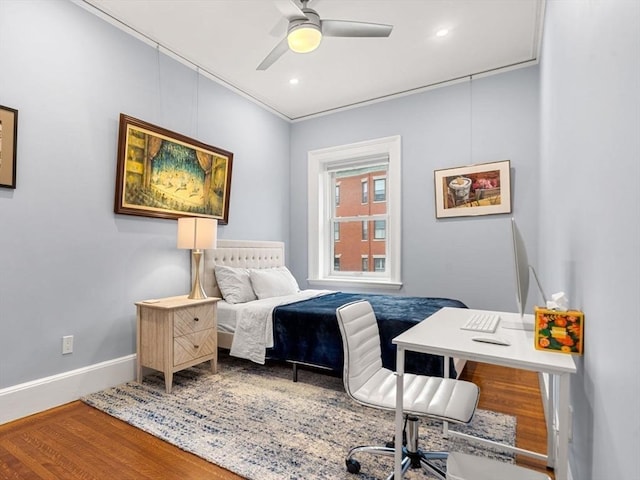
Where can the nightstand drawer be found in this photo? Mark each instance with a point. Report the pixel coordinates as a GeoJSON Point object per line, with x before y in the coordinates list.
{"type": "Point", "coordinates": [193, 319]}
{"type": "Point", "coordinates": [194, 345]}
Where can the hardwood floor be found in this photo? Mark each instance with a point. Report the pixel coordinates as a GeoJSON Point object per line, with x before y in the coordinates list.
{"type": "Point", "coordinates": [514, 392]}
{"type": "Point", "coordinates": [76, 441]}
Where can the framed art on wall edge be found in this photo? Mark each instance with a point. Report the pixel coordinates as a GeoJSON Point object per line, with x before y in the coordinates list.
{"type": "Point", "coordinates": [481, 189]}
{"type": "Point", "coordinates": [8, 143]}
{"type": "Point", "coordinates": [168, 175]}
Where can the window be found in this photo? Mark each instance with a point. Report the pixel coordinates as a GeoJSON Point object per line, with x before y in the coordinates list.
{"type": "Point", "coordinates": [379, 231]}
{"type": "Point", "coordinates": [352, 216]}
{"type": "Point", "coordinates": [349, 212]}
{"type": "Point", "coordinates": [379, 264]}
{"type": "Point", "coordinates": [379, 190]}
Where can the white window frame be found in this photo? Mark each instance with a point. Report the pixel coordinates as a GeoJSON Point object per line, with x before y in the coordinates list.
{"type": "Point", "coordinates": [319, 208]}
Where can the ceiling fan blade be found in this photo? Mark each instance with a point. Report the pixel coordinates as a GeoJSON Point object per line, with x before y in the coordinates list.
{"type": "Point", "coordinates": [344, 28]}
{"type": "Point", "coordinates": [290, 9]}
{"type": "Point", "coordinates": [279, 50]}
{"type": "Point", "coordinates": [279, 28]}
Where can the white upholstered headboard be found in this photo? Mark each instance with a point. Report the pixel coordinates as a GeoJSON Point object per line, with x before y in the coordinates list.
{"type": "Point", "coordinates": [238, 253]}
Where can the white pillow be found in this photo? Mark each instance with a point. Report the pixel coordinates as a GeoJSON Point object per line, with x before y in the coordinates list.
{"type": "Point", "coordinates": [234, 284]}
{"type": "Point", "coordinates": [273, 282]}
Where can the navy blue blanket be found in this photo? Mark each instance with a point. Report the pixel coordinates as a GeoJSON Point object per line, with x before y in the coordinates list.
{"type": "Point", "coordinates": [308, 332]}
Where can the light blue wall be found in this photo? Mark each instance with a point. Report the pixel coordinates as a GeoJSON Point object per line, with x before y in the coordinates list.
{"type": "Point", "coordinates": [490, 119]}
{"type": "Point", "coordinates": [590, 214]}
{"type": "Point", "coordinates": [68, 264]}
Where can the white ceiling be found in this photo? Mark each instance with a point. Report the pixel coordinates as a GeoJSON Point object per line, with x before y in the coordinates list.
{"type": "Point", "coordinates": [227, 39]}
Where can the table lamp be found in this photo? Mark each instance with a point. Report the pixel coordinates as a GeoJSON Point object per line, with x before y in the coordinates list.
{"type": "Point", "coordinates": [197, 234]}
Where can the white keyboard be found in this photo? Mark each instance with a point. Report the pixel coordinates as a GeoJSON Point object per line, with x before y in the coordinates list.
{"type": "Point", "coordinates": [482, 322]}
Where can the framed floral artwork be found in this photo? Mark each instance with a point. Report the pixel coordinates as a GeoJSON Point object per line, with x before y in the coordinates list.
{"type": "Point", "coordinates": [559, 331]}
{"type": "Point", "coordinates": [482, 189]}
{"type": "Point", "coordinates": [168, 175]}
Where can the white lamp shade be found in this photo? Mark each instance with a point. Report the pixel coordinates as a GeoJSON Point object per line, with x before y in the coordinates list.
{"type": "Point", "coordinates": [197, 233]}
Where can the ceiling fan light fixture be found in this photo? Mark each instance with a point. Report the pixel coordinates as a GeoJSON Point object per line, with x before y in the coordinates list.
{"type": "Point", "coordinates": [304, 38]}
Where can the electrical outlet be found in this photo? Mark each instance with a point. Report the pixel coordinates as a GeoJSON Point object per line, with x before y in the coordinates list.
{"type": "Point", "coordinates": [67, 344]}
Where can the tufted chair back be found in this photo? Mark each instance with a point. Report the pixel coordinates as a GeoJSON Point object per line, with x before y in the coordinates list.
{"type": "Point", "coordinates": [361, 344]}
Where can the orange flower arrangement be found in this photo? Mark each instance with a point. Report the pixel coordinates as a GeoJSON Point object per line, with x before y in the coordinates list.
{"type": "Point", "coordinates": [559, 331]}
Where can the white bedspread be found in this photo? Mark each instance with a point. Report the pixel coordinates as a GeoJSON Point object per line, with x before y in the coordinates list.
{"type": "Point", "coordinates": [254, 328]}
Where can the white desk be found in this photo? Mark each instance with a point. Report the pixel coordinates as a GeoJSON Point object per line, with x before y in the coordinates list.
{"type": "Point", "coordinates": [440, 334]}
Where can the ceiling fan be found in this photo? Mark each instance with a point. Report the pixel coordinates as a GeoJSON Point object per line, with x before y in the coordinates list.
{"type": "Point", "coordinates": [306, 30]}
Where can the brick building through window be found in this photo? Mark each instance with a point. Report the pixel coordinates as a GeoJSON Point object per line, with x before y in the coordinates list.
{"type": "Point", "coordinates": [360, 221]}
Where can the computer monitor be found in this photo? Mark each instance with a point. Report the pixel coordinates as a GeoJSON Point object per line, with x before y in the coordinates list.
{"type": "Point", "coordinates": [521, 262]}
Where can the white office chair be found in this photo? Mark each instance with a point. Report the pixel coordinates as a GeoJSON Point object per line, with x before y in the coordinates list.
{"type": "Point", "coordinates": [369, 383]}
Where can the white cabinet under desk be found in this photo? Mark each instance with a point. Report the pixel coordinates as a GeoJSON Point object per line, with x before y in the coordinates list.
{"type": "Point", "coordinates": [175, 333]}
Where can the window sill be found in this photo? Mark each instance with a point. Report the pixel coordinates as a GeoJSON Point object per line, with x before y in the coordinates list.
{"type": "Point", "coordinates": [351, 283]}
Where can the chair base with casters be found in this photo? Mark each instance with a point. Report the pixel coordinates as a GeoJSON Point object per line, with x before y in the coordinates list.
{"type": "Point", "coordinates": [412, 456]}
{"type": "Point", "coordinates": [369, 383]}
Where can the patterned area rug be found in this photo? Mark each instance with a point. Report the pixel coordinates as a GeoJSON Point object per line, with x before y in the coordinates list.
{"type": "Point", "coordinates": [255, 421]}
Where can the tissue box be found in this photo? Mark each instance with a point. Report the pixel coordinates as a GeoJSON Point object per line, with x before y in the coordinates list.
{"type": "Point", "coordinates": [557, 331]}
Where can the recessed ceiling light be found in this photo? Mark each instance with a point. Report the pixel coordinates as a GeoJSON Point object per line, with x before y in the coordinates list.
{"type": "Point", "coordinates": [294, 81]}
{"type": "Point", "coordinates": [443, 32]}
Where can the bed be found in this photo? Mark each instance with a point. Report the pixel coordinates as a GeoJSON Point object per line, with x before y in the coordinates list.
{"type": "Point", "coordinates": [301, 327]}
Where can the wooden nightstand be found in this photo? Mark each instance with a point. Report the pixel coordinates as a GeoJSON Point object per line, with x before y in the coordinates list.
{"type": "Point", "coordinates": [174, 333]}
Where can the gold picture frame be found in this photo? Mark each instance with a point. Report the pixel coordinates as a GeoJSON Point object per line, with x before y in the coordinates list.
{"type": "Point", "coordinates": [168, 175]}
{"type": "Point", "coordinates": [481, 189]}
{"type": "Point", "coordinates": [8, 146]}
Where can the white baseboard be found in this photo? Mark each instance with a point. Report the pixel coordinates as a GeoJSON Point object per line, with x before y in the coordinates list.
{"type": "Point", "coordinates": [38, 395]}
